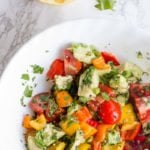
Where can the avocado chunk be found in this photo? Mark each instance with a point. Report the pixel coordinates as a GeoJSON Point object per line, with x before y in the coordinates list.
{"type": "Point", "coordinates": [132, 72]}
{"type": "Point", "coordinates": [49, 135]}
{"type": "Point", "coordinates": [88, 82]}
{"type": "Point", "coordinates": [84, 53]}
{"type": "Point", "coordinates": [119, 83]}
{"type": "Point", "coordinates": [31, 144]}
{"type": "Point", "coordinates": [79, 138]}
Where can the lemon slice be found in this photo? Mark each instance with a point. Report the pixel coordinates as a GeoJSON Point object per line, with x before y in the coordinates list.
{"type": "Point", "coordinates": [56, 2]}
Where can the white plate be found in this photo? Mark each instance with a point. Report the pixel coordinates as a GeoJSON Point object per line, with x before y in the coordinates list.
{"type": "Point", "coordinates": [117, 37]}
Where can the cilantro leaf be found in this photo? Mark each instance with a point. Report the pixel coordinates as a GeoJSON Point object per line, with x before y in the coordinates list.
{"type": "Point", "coordinates": [37, 69]}
{"type": "Point", "coordinates": [25, 77]}
{"type": "Point", "coordinates": [28, 91]}
{"type": "Point", "coordinates": [105, 4]}
{"type": "Point", "coordinates": [139, 55]}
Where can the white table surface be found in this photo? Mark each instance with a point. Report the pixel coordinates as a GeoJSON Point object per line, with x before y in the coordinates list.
{"type": "Point", "coordinates": [20, 20]}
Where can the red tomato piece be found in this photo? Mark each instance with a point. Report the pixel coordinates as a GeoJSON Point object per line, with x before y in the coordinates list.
{"type": "Point", "coordinates": [107, 89]}
{"type": "Point", "coordinates": [38, 104]}
{"type": "Point", "coordinates": [55, 116]}
{"type": "Point", "coordinates": [130, 135]}
{"type": "Point", "coordinates": [57, 68]}
{"type": "Point", "coordinates": [110, 57]}
{"type": "Point", "coordinates": [72, 65]}
{"type": "Point", "coordinates": [93, 123]}
{"type": "Point", "coordinates": [110, 112]}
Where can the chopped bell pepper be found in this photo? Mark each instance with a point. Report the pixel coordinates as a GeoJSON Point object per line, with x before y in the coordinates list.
{"type": "Point", "coordinates": [101, 131]}
{"type": "Point", "coordinates": [128, 116]}
{"type": "Point", "coordinates": [87, 129]}
{"type": "Point", "coordinates": [57, 146]}
{"type": "Point", "coordinates": [69, 127]}
{"type": "Point", "coordinates": [26, 121]}
{"type": "Point", "coordinates": [99, 63]}
{"type": "Point", "coordinates": [83, 114]}
{"type": "Point", "coordinates": [63, 98]}
{"type": "Point", "coordinates": [39, 123]}
{"type": "Point", "coordinates": [96, 145]}
{"type": "Point", "coordinates": [84, 146]}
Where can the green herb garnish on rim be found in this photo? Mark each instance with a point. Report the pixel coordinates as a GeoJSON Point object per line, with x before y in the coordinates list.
{"type": "Point", "coordinates": [37, 69]}
{"type": "Point", "coordinates": [28, 91]}
{"type": "Point", "coordinates": [25, 76]}
{"type": "Point", "coordinates": [105, 4]}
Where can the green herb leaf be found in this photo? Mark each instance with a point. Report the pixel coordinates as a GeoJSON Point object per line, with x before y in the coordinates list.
{"type": "Point", "coordinates": [37, 69]}
{"type": "Point", "coordinates": [25, 77]}
{"type": "Point", "coordinates": [105, 96]}
{"type": "Point", "coordinates": [28, 91]}
{"type": "Point", "coordinates": [139, 55]}
{"type": "Point", "coordinates": [108, 76]}
{"type": "Point", "coordinates": [22, 101]}
{"type": "Point", "coordinates": [105, 4]}
{"type": "Point", "coordinates": [88, 76]}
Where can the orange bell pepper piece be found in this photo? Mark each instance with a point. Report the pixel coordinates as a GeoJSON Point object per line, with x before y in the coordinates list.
{"type": "Point", "coordinates": [96, 145]}
{"type": "Point", "coordinates": [87, 129]}
{"type": "Point", "coordinates": [83, 114]}
{"type": "Point", "coordinates": [63, 98]}
{"type": "Point", "coordinates": [101, 132]}
{"type": "Point", "coordinates": [99, 63]}
{"type": "Point", "coordinates": [26, 121]}
{"type": "Point", "coordinates": [39, 123]}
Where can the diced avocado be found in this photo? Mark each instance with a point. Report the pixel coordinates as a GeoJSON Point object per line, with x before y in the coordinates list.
{"type": "Point", "coordinates": [49, 135]}
{"type": "Point", "coordinates": [119, 83]}
{"type": "Point", "coordinates": [79, 139]}
{"type": "Point", "coordinates": [119, 146]}
{"type": "Point", "coordinates": [74, 107]}
{"type": "Point", "coordinates": [103, 71]}
{"type": "Point", "coordinates": [31, 144]}
{"type": "Point", "coordinates": [63, 82]}
{"type": "Point", "coordinates": [113, 137]}
{"type": "Point", "coordinates": [132, 72]}
{"type": "Point", "coordinates": [89, 80]}
{"type": "Point", "coordinates": [84, 53]}
{"type": "Point", "coordinates": [122, 98]}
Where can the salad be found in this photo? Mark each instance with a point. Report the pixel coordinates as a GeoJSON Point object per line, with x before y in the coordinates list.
{"type": "Point", "coordinates": [95, 103]}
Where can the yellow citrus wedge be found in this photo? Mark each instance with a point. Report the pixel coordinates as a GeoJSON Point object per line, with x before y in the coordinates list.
{"type": "Point", "coordinates": [56, 2]}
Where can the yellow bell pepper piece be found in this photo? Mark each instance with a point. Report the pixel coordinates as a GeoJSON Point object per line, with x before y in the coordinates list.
{"type": "Point", "coordinates": [58, 146]}
{"type": "Point", "coordinates": [69, 127]}
{"type": "Point", "coordinates": [118, 146]}
{"type": "Point", "coordinates": [128, 116]}
{"type": "Point", "coordinates": [84, 146]}
{"type": "Point", "coordinates": [87, 129]}
{"type": "Point", "coordinates": [39, 123]}
{"type": "Point", "coordinates": [126, 127]}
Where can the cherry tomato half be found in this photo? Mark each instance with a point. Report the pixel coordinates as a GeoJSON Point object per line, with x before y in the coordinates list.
{"type": "Point", "coordinates": [57, 68]}
{"type": "Point", "coordinates": [72, 65]}
{"type": "Point", "coordinates": [110, 112]}
{"type": "Point", "coordinates": [110, 57]}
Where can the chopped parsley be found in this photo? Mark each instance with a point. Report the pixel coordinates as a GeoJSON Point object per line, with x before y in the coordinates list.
{"type": "Point", "coordinates": [52, 107]}
{"type": "Point", "coordinates": [105, 96]}
{"type": "Point", "coordinates": [88, 76]}
{"type": "Point", "coordinates": [108, 76]}
{"type": "Point", "coordinates": [139, 55]}
{"type": "Point", "coordinates": [33, 78]}
{"type": "Point", "coordinates": [37, 69]}
{"type": "Point", "coordinates": [28, 91]}
{"type": "Point", "coordinates": [105, 4]}
{"type": "Point", "coordinates": [25, 77]}
{"type": "Point", "coordinates": [22, 101]}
